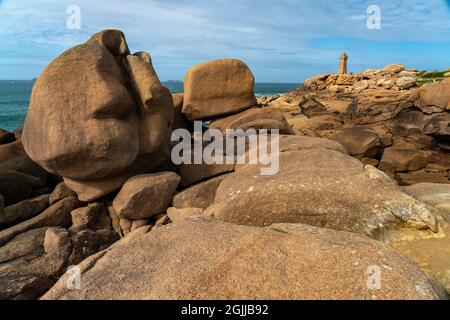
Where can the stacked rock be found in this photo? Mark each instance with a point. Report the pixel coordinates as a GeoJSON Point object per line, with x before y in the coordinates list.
{"type": "Point", "coordinates": [94, 167]}
{"type": "Point", "coordinates": [382, 117]}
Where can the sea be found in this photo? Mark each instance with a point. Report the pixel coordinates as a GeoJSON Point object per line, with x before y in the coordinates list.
{"type": "Point", "coordinates": [15, 97]}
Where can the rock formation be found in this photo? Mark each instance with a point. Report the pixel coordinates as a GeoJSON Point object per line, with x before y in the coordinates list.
{"type": "Point", "coordinates": [89, 182]}
{"type": "Point", "coordinates": [98, 115]}
{"type": "Point", "coordinates": [330, 189]}
{"type": "Point", "coordinates": [216, 259]}
{"type": "Point", "coordinates": [218, 88]}
{"type": "Point", "coordinates": [383, 118]}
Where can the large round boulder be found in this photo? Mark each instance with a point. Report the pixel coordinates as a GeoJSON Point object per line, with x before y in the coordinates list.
{"type": "Point", "coordinates": [202, 258]}
{"type": "Point", "coordinates": [95, 112]}
{"type": "Point", "coordinates": [319, 187]}
{"type": "Point", "coordinates": [81, 122]}
{"type": "Point", "coordinates": [218, 88]}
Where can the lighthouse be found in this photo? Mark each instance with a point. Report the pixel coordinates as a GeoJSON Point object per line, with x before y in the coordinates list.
{"type": "Point", "coordinates": [343, 64]}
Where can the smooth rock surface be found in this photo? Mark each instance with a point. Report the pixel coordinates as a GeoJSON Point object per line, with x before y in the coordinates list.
{"type": "Point", "coordinates": [176, 215]}
{"type": "Point", "coordinates": [19, 175]}
{"type": "Point", "coordinates": [319, 187]}
{"type": "Point", "coordinates": [254, 118]}
{"type": "Point", "coordinates": [200, 195]}
{"type": "Point", "coordinates": [218, 88]}
{"type": "Point", "coordinates": [145, 196]}
{"type": "Point", "coordinates": [30, 263]}
{"type": "Point", "coordinates": [24, 210]}
{"type": "Point", "coordinates": [206, 259]}
{"type": "Point", "coordinates": [61, 192]}
{"type": "Point", "coordinates": [58, 215]}
{"type": "Point", "coordinates": [94, 217]}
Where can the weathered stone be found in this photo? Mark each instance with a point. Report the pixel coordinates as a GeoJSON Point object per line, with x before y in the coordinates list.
{"type": "Point", "coordinates": [434, 194]}
{"type": "Point", "coordinates": [180, 121]}
{"type": "Point", "coordinates": [362, 85]}
{"type": "Point", "coordinates": [289, 143]}
{"type": "Point", "coordinates": [414, 177]}
{"type": "Point", "coordinates": [19, 175]}
{"type": "Point", "coordinates": [400, 160]}
{"type": "Point", "coordinates": [370, 161]}
{"type": "Point", "coordinates": [330, 189]}
{"type": "Point", "coordinates": [225, 261]}
{"type": "Point", "coordinates": [310, 107]}
{"type": "Point", "coordinates": [198, 196]}
{"type": "Point", "coordinates": [125, 226]}
{"type": "Point", "coordinates": [61, 192]}
{"type": "Point", "coordinates": [176, 215]}
{"type": "Point", "coordinates": [15, 188]}
{"type": "Point", "coordinates": [109, 120]}
{"type": "Point", "coordinates": [18, 132]}
{"type": "Point", "coordinates": [2, 206]}
{"type": "Point", "coordinates": [89, 191]}
{"type": "Point", "coordinates": [161, 220]}
{"type": "Point", "coordinates": [136, 224]}
{"type": "Point", "coordinates": [108, 132]}
{"type": "Point", "coordinates": [155, 103]}
{"type": "Point", "coordinates": [144, 196]}
{"type": "Point", "coordinates": [444, 276]}
{"type": "Point", "coordinates": [194, 173]}
{"type": "Point", "coordinates": [218, 88]}
{"type": "Point", "coordinates": [93, 217]}
{"type": "Point", "coordinates": [25, 245]}
{"type": "Point", "coordinates": [264, 101]}
{"type": "Point", "coordinates": [359, 141]}
{"type": "Point", "coordinates": [406, 82]}
{"type": "Point", "coordinates": [254, 118]}
{"type": "Point", "coordinates": [32, 261]}
{"type": "Point", "coordinates": [115, 220]}
{"type": "Point", "coordinates": [298, 143]}
{"type": "Point", "coordinates": [439, 125]}
{"type": "Point", "coordinates": [58, 215]}
{"type": "Point", "coordinates": [89, 242]}
{"type": "Point", "coordinates": [344, 79]}
{"type": "Point", "coordinates": [394, 68]}
{"type": "Point", "coordinates": [24, 210]}
{"type": "Point", "coordinates": [435, 95]}
{"type": "Point", "coordinates": [6, 137]}
{"type": "Point", "coordinates": [430, 251]}
{"type": "Point", "coordinates": [373, 106]}
{"type": "Point", "coordinates": [321, 125]}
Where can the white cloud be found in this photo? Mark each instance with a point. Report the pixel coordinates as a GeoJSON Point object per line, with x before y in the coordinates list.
{"type": "Point", "coordinates": [181, 33]}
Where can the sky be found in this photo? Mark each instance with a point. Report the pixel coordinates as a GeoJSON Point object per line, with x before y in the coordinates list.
{"type": "Point", "coordinates": [281, 40]}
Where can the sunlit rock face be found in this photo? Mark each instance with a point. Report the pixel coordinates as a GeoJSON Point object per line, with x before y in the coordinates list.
{"type": "Point", "coordinates": [98, 115]}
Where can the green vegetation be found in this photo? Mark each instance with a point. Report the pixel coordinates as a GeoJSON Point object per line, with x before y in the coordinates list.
{"type": "Point", "coordinates": [432, 76]}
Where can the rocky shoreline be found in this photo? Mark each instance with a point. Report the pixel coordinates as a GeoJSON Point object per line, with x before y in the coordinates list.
{"type": "Point", "coordinates": [362, 189]}
{"type": "Point", "coordinates": [382, 117]}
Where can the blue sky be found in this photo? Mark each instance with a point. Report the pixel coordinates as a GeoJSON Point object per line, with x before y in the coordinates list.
{"type": "Point", "coordinates": [282, 41]}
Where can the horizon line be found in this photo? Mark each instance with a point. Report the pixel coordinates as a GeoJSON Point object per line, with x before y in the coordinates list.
{"type": "Point", "coordinates": [163, 81]}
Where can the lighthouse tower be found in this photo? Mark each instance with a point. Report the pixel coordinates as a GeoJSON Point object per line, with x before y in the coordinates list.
{"type": "Point", "coordinates": [343, 64]}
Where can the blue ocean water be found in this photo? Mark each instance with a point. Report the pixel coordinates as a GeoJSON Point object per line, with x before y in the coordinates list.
{"type": "Point", "coordinates": [15, 97]}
